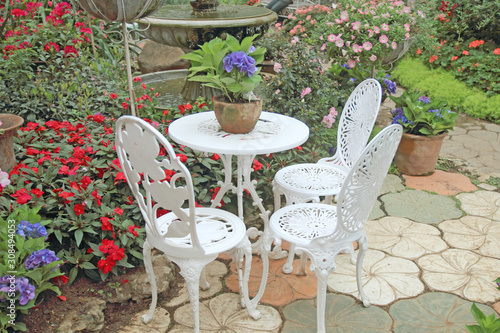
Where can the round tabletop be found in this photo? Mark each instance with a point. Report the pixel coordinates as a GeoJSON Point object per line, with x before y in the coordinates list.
{"type": "Point", "coordinates": [273, 133]}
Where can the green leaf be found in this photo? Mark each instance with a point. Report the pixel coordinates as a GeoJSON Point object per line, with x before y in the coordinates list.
{"type": "Point", "coordinates": [78, 236]}
{"type": "Point", "coordinates": [72, 275]}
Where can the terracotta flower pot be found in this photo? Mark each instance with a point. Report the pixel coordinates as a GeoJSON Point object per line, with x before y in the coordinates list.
{"type": "Point", "coordinates": [8, 128]}
{"type": "Point", "coordinates": [417, 155]}
{"type": "Point", "coordinates": [237, 118]}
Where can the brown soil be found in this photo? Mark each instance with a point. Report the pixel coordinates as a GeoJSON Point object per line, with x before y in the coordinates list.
{"type": "Point", "coordinates": [47, 317]}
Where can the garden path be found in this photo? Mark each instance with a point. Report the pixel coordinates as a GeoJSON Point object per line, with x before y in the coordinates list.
{"type": "Point", "coordinates": [434, 248]}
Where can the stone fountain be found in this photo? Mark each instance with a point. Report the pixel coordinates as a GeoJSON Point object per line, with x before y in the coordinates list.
{"type": "Point", "coordinates": [188, 26]}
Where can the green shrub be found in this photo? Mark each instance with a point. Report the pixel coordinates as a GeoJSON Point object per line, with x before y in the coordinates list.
{"type": "Point", "coordinates": [441, 84]}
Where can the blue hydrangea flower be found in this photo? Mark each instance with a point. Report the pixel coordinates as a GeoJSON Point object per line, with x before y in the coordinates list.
{"type": "Point", "coordinates": [240, 60]}
{"type": "Point", "coordinates": [424, 99]}
{"type": "Point", "coordinates": [391, 86]}
{"type": "Point", "coordinates": [436, 111]}
{"type": "Point", "coordinates": [40, 258]}
{"type": "Point", "coordinates": [27, 229]}
{"type": "Point", "coordinates": [398, 116]}
{"type": "Point", "coordinates": [22, 287]}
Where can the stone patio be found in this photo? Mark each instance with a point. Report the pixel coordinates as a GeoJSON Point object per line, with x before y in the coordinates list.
{"type": "Point", "coordinates": [434, 249]}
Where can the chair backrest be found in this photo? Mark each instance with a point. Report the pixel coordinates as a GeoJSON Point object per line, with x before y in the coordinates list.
{"type": "Point", "coordinates": [158, 180]}
{"type": "Point", "coordinates": [357, 120]}
{"type": "Point", "coordinates": [362, 186]}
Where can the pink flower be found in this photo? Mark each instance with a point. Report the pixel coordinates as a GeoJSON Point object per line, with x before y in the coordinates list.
{"type": "Point", "coordinates": [394, 45]}
{"type": "Point", "coordinates": [383, 39]}
{"type": "Point", "coordinates": [344, 16]}
{"type": "Point", "coordinates": [277, 91]}
{"type": "Point", "coordinates": [357, 48]}
{"type": "Point", "coordinates": [385, 27]}
{"type": "Point", "coordinates": [329, 119]}
{"type": "Point", "coordinates": [356, 25]}
{"type": "Point", "coordinates": [339, 42]}
{"type": "Point", "coordinates": [351, 63]}
{"type": "Point", "coordinates": [367, 46]}
{"type": "Point", "coordinates": [376, 29]}
{"type": "Point", "coordinates": [4, 177]}
{"type": "Point", "coordinates": [407, 27]}
{"type": "Point", "coordinates": [323, 47]}
{"type": "Point", "coordinates": [305, 92]}
{"type": "Point", "coordinates": [373, 57]}
{"type": "Point", "coordinates": [277, 67]}
{"type": "Point", "coordinates": [332, 38]}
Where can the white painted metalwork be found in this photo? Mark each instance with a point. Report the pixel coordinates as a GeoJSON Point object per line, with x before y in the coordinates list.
{"type": "Point", "coordinates": [308, 182]}
{"type": "Point", "coordinates": [190, 237]}
{"type": "Point", "coordinates": [323, 231]}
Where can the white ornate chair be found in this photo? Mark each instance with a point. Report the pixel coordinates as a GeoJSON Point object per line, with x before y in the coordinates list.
{"type": "Point", "coordinates": [190, 237]}
{"type": "Point", "coordinates": [323, 231]}
{"type": "Point", "coordinates": [307, 182]}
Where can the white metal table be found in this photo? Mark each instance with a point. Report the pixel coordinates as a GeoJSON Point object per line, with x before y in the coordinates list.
{"type": "Point", "coordinates": [273, 133]}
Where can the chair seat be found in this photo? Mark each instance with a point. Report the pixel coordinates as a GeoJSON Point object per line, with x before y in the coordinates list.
{"type": "Point", "coordinates": [218, 230]}
{"type": "Point", "coordinates": [311, 179]}
{"type": "Point", "coordinates": [300, 224]}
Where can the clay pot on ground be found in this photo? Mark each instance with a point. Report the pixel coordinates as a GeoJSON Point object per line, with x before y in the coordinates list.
{"type": "Point", "coordinates": [417, 155]}
{"type": "Point", "coordinates": [237, 118]}
{"type": "Point", "coordinates": [8, 128]}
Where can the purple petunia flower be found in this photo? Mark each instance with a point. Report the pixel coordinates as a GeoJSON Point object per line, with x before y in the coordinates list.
{"type": "Point", "coordinates": [22, 287]}
{"type": "Point", "coordinates": [40, 258]}
{"type": "Point", "coordinates": [398, 116]}
{"type": "Point", "coordinates": [27, 229]}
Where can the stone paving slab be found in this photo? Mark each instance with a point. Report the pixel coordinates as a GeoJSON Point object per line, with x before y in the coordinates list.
{"type": "Point", "coordinates": [441, 182]}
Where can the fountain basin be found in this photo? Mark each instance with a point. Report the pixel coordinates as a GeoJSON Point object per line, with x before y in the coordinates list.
{"type": "Point", "coordinates": [176, 25]}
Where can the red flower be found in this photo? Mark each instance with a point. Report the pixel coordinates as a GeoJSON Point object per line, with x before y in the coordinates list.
{"type": "Point", "coordinates": [137, 79]}
{"type": "Point", "coordinates": [433, 58]}
{"type": "Point", "coordinates": [98, 118]}
{"type": "Point", "coordinates": [85, 181]}
{"type": "Point", "coordinates": [97, 197]}
{"type": "Point", "coordinates": [22, 196]}
{"type": "Point", "coordinates": [182, 157]}
{"type": "Point", "coordinates": [131, 229]}
{"type": "Point", "coordinates": [106, 265]}
{"type": "Point", "coordinates": [256, 165]}
{"type": "Point", "coordinates": [106, 225]}
{"type": "Point", "coordinates": [113, 96]}
{"type": "Point", "coordinates": [183, 108]}
{"type": "Point", "coordinates": [108, 246]}
{"type": "Point", "coordinates": [79, 209]}
{"type": "Point", "coordinates": [119, 176]}
{"type": "Point", "coordinates": [62, 278]}
{"type": "Point", "coordinates": [454, 58]}
{"type": "Point", "coordinates": [51, 45]}
{"type": "Point", "coordinates": [118, 211]}
{"type": "Point", "coordinates": [496, 51]}
{"type": "Point", "coordinates": [117, 255]}
{"type": "Point", "coordinates": [215, 157]}
{"type": "Point", "coordinates": [70, 51]}
{"type": "Point", "coordinates": [90, 250]}
{"type": "Point", "coordinates": [465, 52]}
{"type": "Point", "coordinates": [37, 192]}
{"type": "Point", "coordinates": [125, 105]}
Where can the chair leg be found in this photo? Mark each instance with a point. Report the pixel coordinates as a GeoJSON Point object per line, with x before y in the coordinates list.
{"type": "Point", "coordinates": [146, 252]}
{"type": "Point", "coordinates": [322, 275]}
{"type": "Point", "coordinates": [288, 266]}
{"type": "Point", "coordinates": [191, 270]}
{"type": "Point", "coordinates": [363, 246]}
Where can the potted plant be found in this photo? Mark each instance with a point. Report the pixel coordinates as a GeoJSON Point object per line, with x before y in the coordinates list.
{"type": "Point", "coordinates": [425, 124]}
{"type": "Point", "coordinates": [231, 67]}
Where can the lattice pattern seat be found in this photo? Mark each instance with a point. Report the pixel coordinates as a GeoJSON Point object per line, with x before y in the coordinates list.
{"type": "Point", "coordinates": [190, 237]}
{"type": "Point", "coordinates": [322, 231]}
